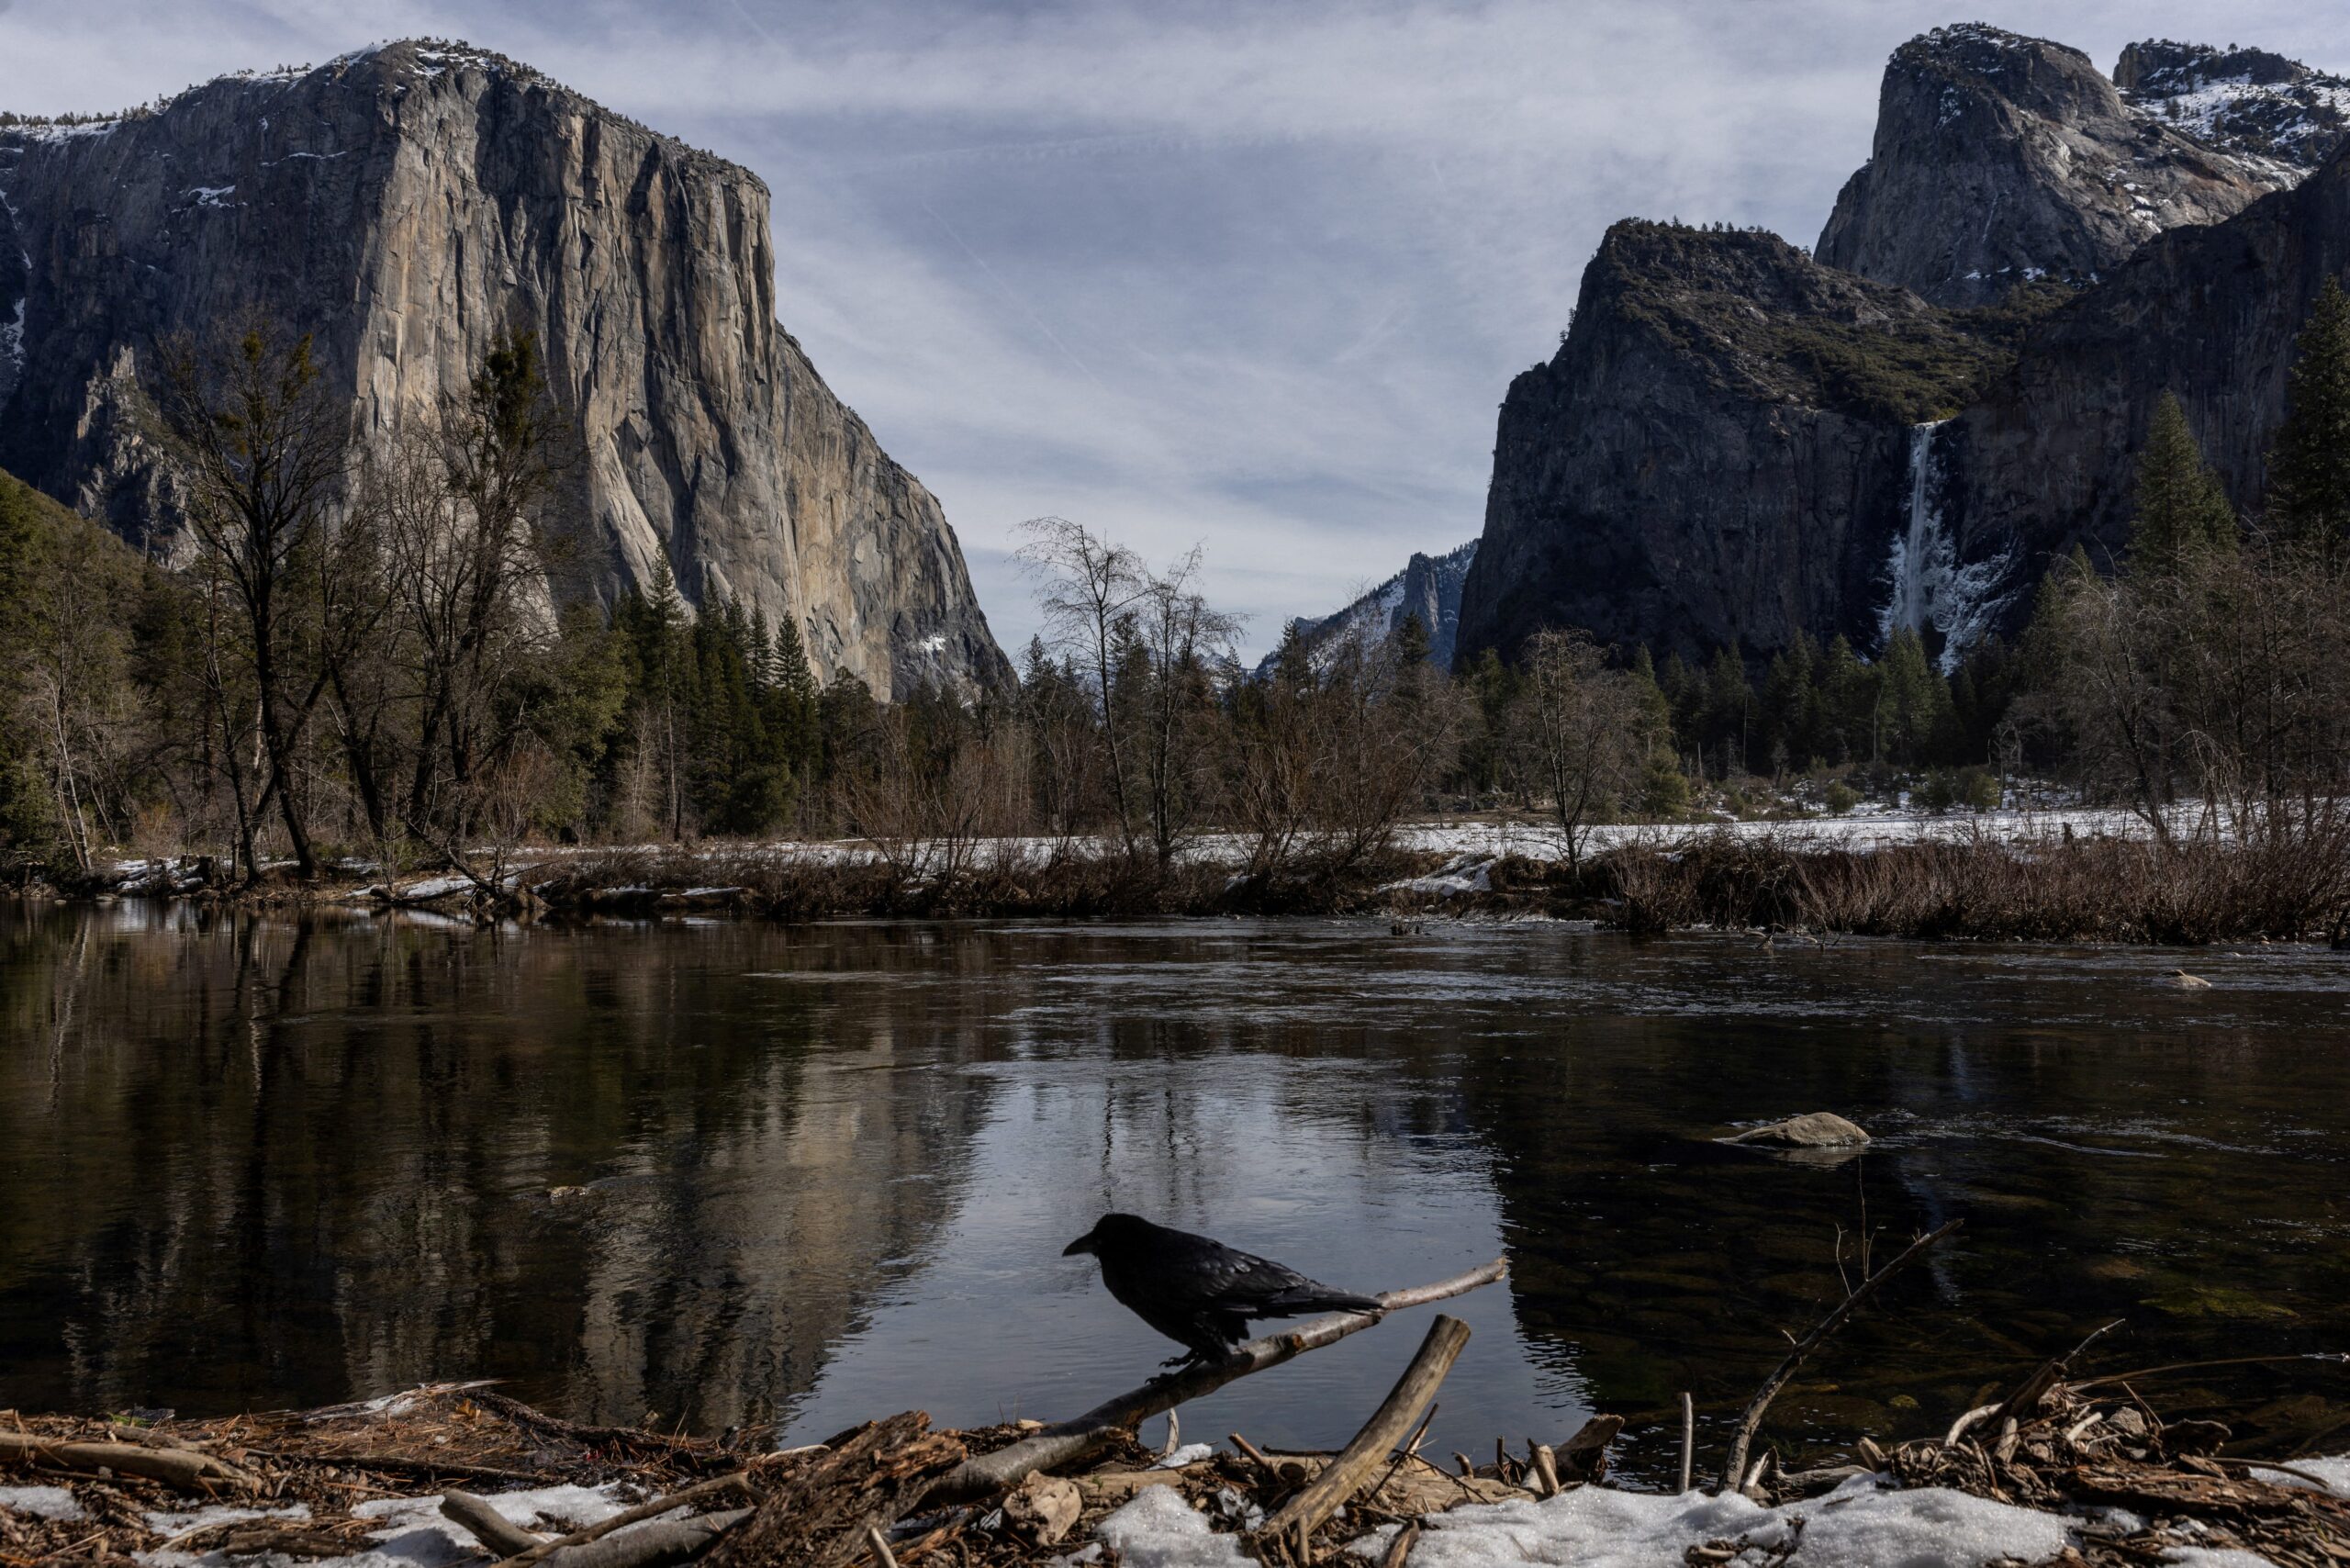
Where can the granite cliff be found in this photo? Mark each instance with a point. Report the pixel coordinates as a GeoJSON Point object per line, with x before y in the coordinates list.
{"type": "Point", "coordinates": [1720, 450]}
{"type": "Point", "coordinates": [405, 204]}
{"type": "Point", "coordinates": [1735, 443]}
{"type": "Point", "coordinates": [2001, 159]}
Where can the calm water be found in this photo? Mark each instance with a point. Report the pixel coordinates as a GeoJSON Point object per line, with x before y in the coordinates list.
{"type": "Point", "coordinates": [829, 1169]}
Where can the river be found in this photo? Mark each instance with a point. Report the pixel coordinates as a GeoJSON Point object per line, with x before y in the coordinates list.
{"type": "Point", "coordinates": [720, 1172]}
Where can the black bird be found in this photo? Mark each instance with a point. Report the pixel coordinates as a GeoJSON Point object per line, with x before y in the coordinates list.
{"type": "Point", "coordinates": [1198, 1292]}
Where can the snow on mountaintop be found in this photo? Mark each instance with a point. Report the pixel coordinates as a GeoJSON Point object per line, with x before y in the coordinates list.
{"type": "Point", "coordinates": [2248, 102]}
{"type": "Point", "coordinates": [1378, 614]}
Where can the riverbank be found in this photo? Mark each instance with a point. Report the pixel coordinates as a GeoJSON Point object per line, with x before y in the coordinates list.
{"type": "Point", "coordinates": [2023, 877]}
{"type": "Point", "coordinates": [2058, 1471]}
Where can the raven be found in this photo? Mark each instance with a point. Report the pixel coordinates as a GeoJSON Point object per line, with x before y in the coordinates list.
{"type": "Point", "coordinates": [1198, 1292]}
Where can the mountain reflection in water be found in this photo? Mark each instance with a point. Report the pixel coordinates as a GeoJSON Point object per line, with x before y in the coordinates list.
{"type": "Point", "coordinates": [825, 1172]}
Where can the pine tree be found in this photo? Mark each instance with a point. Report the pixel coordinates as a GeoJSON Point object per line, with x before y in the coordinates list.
{"type": "Point", "coordinates": [2309, 467]}
{"type": "Point", "coordinates": [1411, 642]}
{"type": "Point", "coordinates": [1727, 722]}
{"type": "Point", "coordinates": [1847, 702]}
{"type": "Point", "coordinates": [2182, 512]}
{"type": "Point", "coordinates": [1913, 699]}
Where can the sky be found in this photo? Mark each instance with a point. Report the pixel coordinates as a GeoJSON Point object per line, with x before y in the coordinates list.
{"type": "Point", "coordinates": [1253, 277]}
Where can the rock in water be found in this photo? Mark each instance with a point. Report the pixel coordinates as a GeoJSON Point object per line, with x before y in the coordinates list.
{"type": "Point", "coordinates": [1814, 1129]}
{"type": "Point", "coordinates": [407, 203]}
{"type": "Point", "coordinates": [2186, 981]}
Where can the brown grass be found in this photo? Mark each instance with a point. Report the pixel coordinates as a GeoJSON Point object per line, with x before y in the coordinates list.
{"type": "Point", "coordinates": [2089, 889]}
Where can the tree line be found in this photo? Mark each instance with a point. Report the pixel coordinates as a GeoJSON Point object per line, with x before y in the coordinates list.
{"type": "Point", "coordinates": [388, 657]}
{"type": "Point", "coordinates": [377, 656]}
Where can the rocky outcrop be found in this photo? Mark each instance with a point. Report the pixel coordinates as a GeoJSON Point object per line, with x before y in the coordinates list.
{"type": "Point", "coordinates": [2246, 102]}
{"type": "Point", "coordinates": [1720, 453]}
{"type": "Point", "coordinates": [2209, 314]}
{"type": "Point", "coordinates": [1735, 443]}
{"type": "Point", "coordinates": [1427, 587]}
{"type": "Point", "coordinates": [403, 205]}
{"type": "Point", "coordinates": [2001, 159]}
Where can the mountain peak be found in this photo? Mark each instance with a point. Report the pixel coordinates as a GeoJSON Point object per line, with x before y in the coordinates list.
{"type": "Point", "coordinates": [2249, 102]}
{"type": "Point", "coordinates": [2000, 158]}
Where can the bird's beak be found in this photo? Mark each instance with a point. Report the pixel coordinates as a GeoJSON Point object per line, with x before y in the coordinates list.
{"type": "Point", "coordinates": [1082, 1244]}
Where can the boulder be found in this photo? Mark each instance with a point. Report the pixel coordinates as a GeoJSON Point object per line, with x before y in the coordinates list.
{"type": "Point", "coordinates": [1814, 1129]}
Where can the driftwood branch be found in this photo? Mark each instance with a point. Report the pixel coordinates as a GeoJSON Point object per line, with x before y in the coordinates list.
{"type": "Point", "coordinates": [1688, 1440]}
{"type": "Point", "coordinates": [1070, 1441]}
{"type": "Point", "coordinates": [1734, 1467]}
{"type": "Point", "coordinates": [540, 1549]}
{"type": "Point", "coordinates": [488, 1526]}
{"type": "Point", "coordinates": [652, 1545]}
{"type": "Point", "coordinates": [1387, 1426]}
{"type": "Point", "coordinates": [187, 1469]}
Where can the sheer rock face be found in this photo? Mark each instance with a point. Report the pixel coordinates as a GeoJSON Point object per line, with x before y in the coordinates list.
{"type": "Point", "coordinates": [405, 204]}
{"type": "Point", "coordinates": [1735, 443]}
{"type": "Point", "coordinates": [2001, 159]}
{"type": "Point", "coordinates": [2209, 314]}
{"type": "Point", "coordinates": [1683, 473]}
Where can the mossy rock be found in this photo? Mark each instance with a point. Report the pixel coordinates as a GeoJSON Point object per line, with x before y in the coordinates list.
{"type": "Point", "coordinates": [2216, 1301]}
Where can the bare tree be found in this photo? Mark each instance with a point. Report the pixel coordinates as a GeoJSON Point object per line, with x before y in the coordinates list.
{"type": "Point", "coordinates": [1585, 729]}
{"type": "Point", "coordinates": [1089, 586]}
{"type": "Point", "coordinates": [469, 546]}
{"type": "Point", "coordinates": [1178, 636]}
{"type": "Point", "coordinates": [262, 447]}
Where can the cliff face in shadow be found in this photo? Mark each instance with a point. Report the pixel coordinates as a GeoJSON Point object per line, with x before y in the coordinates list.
{"type": "Point", "coordinates": [1735, 443]}
{"type": "Point", "coordinates": [1718, 452]}
{"type": "Point", "coordinates": [407, 204]}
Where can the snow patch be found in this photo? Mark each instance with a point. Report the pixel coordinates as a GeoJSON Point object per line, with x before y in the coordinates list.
{"type": "Point", "coordinates": [1459, 877]}
{"type": "Point", "coordinates": [39, 1502]}
{"type": "Point", "coordinates": [1158, 1529]}
{"type": "Point", "coordinates": [210, 196]}
{"type": "Point", "coordinates": [2334, 1473]}
{"type": "Point", "coordinates": [1857, 1526]}
{"type": "Point", "coordinates": [1189, 1453]}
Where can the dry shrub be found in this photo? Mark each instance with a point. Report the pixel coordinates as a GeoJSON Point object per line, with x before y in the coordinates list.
{"type": "Point", "coordinates": [2043, 889]}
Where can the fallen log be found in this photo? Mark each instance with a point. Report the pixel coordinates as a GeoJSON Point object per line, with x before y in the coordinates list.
{"type": "Point", "coordinates": [187, 1469]}
{"type": "Point", "coordinates": [1069, 1442]}
{"type": "Point", "coordinates": [538, 1549]}
{"type": "Point", "coordinates": [1371, 1445]}
{"type": "Point", "coordinates": [654, 1545]}
{"type": "Point", "coordinates": [487, 1525]}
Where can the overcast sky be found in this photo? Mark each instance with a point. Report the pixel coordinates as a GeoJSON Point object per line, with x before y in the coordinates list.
{"type": "Point", "coordinates": [1248, 277]}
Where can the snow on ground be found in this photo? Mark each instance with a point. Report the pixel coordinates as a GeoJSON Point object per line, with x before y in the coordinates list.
{"type": "Point", "coordinates": [1159, 1529]}
{"type": "Point", "coordinates": [1863, 829]}
{"type": "Point", "coordinates": [2334, 1473]}
{"type": "Point", "coordinates": [40, 1502]}
{"type": "Point", "coordinates": [411, 1533]}
{"type": "Point", "coordinates": [433, 888]}
{"type": "Point", "coordinates": [1856, 1526]}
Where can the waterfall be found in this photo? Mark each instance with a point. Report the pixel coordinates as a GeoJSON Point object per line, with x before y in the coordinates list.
{"type": "Point", "coordinates": [1928, 587]}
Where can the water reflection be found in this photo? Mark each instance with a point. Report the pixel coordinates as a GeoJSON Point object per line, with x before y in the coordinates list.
{"type": "Point", "coordinates": [825, 1172]}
